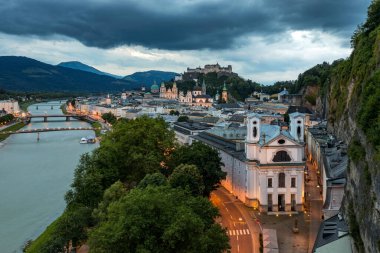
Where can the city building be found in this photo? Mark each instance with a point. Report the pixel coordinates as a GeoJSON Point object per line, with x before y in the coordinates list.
{"type": "Point", "coordinates": [281, 94]}
{"type": "Point", "coordinates": [329, 157]}
{"type": "Point", "coordinates": [333, 236]}
{"type": "Point", "coordinates": [9, 106]}
{"type": "Point", "coordinates": [154, 89]}
{"type": "Point", "coordinates": [183, 130]}
{"type": "Point", "coordinates": [265, 164]}
{"type": "Point", "coordinates": [169, 93]}
{"type": "Point", "coordinates": [196, 97]}
{"type": "Point", "coordinates": [194, 73]}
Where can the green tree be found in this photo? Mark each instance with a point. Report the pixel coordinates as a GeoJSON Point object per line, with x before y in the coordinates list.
{"type": "Point", "coordinates": [188, 178]}
{"type": "Point", "coordinates": [109, 117]}
{"type": "Point", "coordinates": [112, 194]}
{"type": "Point", "coordinates": [172, 112]}
{"type": "Point", "coordinates": [183, 118]}
{"type": "Point", "coordinates": [207, 161]}
{"type": "Point", "coordinates": [155, 179]}
{"type": "Point", "coordinates": [161, 220]}
{"type": "Point", "coordinates": [373, 19]}
{"type": "Point", "coordinates": [130, 151]}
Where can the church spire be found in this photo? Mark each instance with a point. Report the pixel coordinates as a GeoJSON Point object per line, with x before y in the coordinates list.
{"type": "Point", "coordinates": [203, 87]}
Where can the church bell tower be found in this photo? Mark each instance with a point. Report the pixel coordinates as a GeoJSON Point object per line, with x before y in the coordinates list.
{"type": "Point", "coordinates": [253, 136]}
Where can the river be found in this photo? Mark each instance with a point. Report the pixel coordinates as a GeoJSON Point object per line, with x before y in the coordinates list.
{"type": "Point", "coordinates": [34, 177]}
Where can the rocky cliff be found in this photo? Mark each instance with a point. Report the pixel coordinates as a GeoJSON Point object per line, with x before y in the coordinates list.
{"type": "Point", "coordinates": [350, 100]}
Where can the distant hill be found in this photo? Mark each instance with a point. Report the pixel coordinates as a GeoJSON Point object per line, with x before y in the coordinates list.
{"type": "Point", "coordinates": [81, 66]}
{"type": "Point", "coordinates": [25, 74]}
{"type": "Point", "coordinates": [148, 77]}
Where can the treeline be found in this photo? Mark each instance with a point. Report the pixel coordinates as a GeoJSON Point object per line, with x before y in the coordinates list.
{"type": "Point", "coordinates": [4, 94]}
{"type": "Point", "coordinates": [6, 118]}
{"type": "Point", "coordinates": [141, 192]}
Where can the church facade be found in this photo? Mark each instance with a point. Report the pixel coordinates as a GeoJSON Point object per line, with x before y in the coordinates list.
{"type": "Point", "coordinates": [196, 97]}
{"type": "Point", "coordinates": [266, 169]}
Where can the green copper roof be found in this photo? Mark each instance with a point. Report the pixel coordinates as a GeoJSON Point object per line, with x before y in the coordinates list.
{"type": "Point", "coordinates": [224, 87]}
{"type": "Point", "coordinates": [154, 87]}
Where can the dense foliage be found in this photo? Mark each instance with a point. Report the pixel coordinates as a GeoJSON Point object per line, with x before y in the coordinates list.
{"type": "Point", "coordinates": [206, 160]}
{"type": "Point", "coordinates": [118, 191]}
{"type": "Point", "coordinates": [109, 117]}
{"type": "Point", "coordinates": [158, 219]}
{"type": "Point", "coordinates": [6, 118]}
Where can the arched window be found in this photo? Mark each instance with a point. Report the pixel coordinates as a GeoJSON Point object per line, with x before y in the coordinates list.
{"type": "Point", "coordinates": [254, 132]}
{"type": "Point", "coordinates": [282, 156]}
{"type": "Point", "coordinates": [299, 131]}
{"type": "Point", "coordinates": [281, 180]}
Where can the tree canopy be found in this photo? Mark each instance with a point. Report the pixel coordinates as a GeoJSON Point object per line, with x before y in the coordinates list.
{"type": "Point", "coordinates": [188, 178]}
{"type": "Point", "coordinates": [109, 117]}
{"type": "Point", "coordinates": [159, 219]}
{"type": "Point", "coordinates": [206, 160]}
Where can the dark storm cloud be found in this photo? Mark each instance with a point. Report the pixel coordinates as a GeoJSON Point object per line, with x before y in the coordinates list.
{"type": "Point", "coordinates": [176, 25]}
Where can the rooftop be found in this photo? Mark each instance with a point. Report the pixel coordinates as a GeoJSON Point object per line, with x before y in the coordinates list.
{"type": "Point", "coordinates": [333, 236]}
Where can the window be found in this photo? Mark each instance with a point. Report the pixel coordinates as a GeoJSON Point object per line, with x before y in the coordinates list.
{"type": "Point", "coordinates": [281, 156]}
{"type": "Point", "coordinates": [270, 203]}
{"type": "Point", "coordinates": [299, 131]}
{"type": "Point", "coordinates": [254, 132]}
{"type": "Point", "coordinates": [293, 182]}
{"type": "Point", "coordinates": [270, 180]}
{"type": "Point", "coordinates": [281, 141]}
{"type": "Point", "coordinates": [281, 180]}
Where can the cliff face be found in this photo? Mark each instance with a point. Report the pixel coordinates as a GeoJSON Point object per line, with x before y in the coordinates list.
{"type": "Point", "coordinates": [351, 104]}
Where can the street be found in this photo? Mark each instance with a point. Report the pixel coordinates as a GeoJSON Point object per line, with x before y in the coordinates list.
{"type": "Point", "coordinates": [314, 204]}
{"type": "Point", "coordinates": [242, 230]}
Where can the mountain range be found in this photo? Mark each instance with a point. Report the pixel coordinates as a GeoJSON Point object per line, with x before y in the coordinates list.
{"type": "Point", "coordinates": [18, 73]}
{"type": "Point", "coordinates": [81, 66]}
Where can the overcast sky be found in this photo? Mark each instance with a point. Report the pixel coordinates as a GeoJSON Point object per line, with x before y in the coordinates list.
{"type": "Point", "coordinates": [263, 40]}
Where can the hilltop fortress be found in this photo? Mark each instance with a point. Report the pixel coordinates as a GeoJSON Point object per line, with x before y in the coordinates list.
{"type": "Point", "coordinates": [194, 73]}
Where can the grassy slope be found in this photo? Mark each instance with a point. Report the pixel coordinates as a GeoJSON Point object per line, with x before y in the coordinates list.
{"type": "Point", "coordinates": [15, 127]}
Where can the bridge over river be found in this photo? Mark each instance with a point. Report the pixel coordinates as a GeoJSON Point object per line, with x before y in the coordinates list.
{"type": "Point", "coordinates": [40, 130]}
{"type": "Point", "coordinates": [45, 117]}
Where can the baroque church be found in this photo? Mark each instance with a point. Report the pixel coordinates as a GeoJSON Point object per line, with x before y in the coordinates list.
{"type": "Point", "coordinates": [265, 170]}
{"type": "Point", "coordinates": [196, 97]}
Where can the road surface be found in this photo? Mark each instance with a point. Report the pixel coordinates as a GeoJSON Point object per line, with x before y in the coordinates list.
{"type": "Point", "coordinates": [242, 230]}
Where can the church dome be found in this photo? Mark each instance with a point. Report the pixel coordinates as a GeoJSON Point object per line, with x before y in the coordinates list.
{"type": "Point", "coordinates": [154, 88]}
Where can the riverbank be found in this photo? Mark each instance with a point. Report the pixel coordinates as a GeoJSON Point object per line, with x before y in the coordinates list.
{"type": "Point", "coordinates": [25, 104]}
{"type": "Point", "coordinates": [63, 108]}
{"type": "Point", "coordinates": [14, 127]}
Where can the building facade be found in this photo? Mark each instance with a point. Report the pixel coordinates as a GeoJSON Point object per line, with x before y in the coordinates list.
{"type": "Point", "coordinates": [196, 97]}
{"type": "Point", "coordinates": [265, 170]}
{"type": "Point", "coordinates": [9, 106]}
{"type": "Point", "coordinates": [169, 93]}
